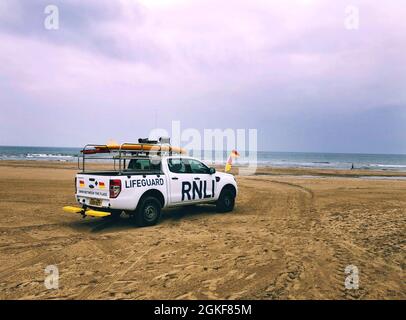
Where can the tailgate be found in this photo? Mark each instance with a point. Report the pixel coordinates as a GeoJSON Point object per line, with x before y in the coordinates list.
{"type": "Point", "coordinates": [92, 186]}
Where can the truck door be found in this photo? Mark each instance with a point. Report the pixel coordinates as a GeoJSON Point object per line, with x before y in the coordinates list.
{"type": "Point", "coordinates": [180, 179]}
{"type": "Point", "coordinates": [203, 184]}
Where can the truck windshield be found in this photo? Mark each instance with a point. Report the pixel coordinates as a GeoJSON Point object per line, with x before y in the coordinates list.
{"type": "Point", "coordinates": [143, 165]}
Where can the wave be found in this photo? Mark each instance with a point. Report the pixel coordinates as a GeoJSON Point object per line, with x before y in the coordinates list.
{"type": "Point", "coordinates": [262, 159]}
{"type": "Point", "coordinates": [388, 165]}
{"type": "Point", "coordinates": [47, 155]}
{"type": "Point", "coordinates": [38, 156]}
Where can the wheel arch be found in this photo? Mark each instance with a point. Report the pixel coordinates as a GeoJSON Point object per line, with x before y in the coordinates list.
{"type": "Point", "coordinates": [153, 193]}
{"type": "Point", "coordinates": [230, 187]}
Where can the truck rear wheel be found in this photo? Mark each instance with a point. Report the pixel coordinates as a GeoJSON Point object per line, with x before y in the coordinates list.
{"type": "Point", "coordinates": [148, 212]}
{"type": "Point", "coordinates": [226, 201]}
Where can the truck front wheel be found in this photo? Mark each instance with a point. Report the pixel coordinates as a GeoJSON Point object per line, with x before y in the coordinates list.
{"type": "Point", "coordinates": [148, 212]}
{"type": "Point", "coordinates": [226, 201]}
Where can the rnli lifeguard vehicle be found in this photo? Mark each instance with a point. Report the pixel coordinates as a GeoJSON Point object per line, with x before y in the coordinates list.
{"type": "Point", "coordinates": [146, 177]}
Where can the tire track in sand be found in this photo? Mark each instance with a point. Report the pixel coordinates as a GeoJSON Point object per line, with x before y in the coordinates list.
{"type": "Point", "coordinates": [300, 215]}
{"type": "Point", "coordinates": [41, 253]}
{"type": "Point", "coordinates": [100, 287]}
{"type": "Point", "coordinates": [344, 253]}
{"type": "Point", "coordinates": [308, 220]}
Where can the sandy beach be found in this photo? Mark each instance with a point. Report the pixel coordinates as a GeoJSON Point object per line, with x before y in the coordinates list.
{"type": "Point", "coordinates": [291, 236]}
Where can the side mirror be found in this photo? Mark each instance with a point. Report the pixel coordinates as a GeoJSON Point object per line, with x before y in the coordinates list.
{"type": "Point", "coordinates": [212, 171]}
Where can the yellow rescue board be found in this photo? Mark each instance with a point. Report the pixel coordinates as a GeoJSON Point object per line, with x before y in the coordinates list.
{"type": "Point", "coordinates": [72, 209]}
{"type": "Point", "coordinates": [92, 213]}
{"type": "Point", "coordinates": [95, 213]}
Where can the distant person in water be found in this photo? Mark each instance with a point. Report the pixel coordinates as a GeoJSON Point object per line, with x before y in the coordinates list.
{"type": "Point", "coordinates": [352, 166]}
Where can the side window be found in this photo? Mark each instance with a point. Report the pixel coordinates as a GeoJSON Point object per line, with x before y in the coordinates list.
{"type": "Point", "coordinates": [177, 166]}
{"type": "Point", "coordinates": [143, 165]}
{"type": "Point", "coordinates": [198, 167]}
{"type": "Point", "coordinates": [156, 166]}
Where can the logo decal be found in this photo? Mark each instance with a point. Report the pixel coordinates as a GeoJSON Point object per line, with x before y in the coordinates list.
{"type": "Point", "coordinates": [144, 182]}
{"type": "Point", "coordinates": [196, 190]}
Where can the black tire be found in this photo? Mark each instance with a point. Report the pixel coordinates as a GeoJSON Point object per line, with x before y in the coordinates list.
{"type": "Point", "coordinates": [226, 201]}
{"type": "Point", "coordinates": [148, 212]}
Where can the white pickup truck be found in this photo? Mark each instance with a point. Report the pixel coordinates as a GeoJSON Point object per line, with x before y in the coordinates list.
{"type": "Point", "coordinates": [145, 184]}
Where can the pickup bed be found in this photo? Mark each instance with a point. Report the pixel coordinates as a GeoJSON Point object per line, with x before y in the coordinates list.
{"type": "Point", "coordinates": [146, 186]}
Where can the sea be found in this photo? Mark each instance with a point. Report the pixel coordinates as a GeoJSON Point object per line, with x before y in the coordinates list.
{"type": "Point", "coordinates": [393, 162]}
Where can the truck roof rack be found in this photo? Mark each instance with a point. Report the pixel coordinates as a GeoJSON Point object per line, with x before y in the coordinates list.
{"type": "Point", "coordinates": [143, 145]}
{"type": "Point", "coordinates": [132, 147]}
{"type": "Point", "coordinates": [144, 148]}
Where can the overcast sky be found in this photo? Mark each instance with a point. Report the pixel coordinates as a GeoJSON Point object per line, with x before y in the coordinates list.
{"type": "Point", "coordinates": [290, 69]}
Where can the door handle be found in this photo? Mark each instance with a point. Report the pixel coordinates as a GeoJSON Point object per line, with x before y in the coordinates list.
{"type": "Point", "coordinates": [175, 178]}
{"type": "Point", "coordinates": [197, 178]}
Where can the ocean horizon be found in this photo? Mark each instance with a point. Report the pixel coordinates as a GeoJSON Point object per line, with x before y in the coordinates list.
{"type": "Point", "coordinates": [330, 160]}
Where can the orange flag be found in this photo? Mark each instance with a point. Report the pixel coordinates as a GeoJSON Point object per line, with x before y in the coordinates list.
{"type": "Point", "coordinates": [233, 154]}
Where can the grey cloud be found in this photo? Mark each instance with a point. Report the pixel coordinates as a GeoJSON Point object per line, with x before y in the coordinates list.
{"type": "Point", "coordinates": [310, 87]}
{"type": "Point", "coordinates": [80, 27]}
